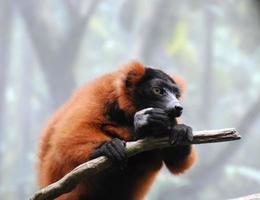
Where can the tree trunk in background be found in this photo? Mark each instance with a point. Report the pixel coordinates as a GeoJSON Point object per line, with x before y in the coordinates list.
{"type": "Point", "coordinates": [56, 55]}
{"type": "Point", "coordinates": [150, 32]}
{"type": "Point", "coordinates": [207, 75]}
{"type": "Point", "coordinates": [24, 114]}
{"type": "Point", "coordinates": [5, 32]}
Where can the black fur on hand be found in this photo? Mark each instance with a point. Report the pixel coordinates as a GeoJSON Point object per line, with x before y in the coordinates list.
{"type": "Point", "coordinates": [114, 149]}
{"type": "Point", "coordinates": [151, 122]}
{"type": "Point", "coordinates": [180, 133]}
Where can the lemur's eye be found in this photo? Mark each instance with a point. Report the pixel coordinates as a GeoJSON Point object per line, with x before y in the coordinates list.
{"type": "Point", "coordinates": [178, 95]}
{"type": "Point", "coordinates": [158, 91]}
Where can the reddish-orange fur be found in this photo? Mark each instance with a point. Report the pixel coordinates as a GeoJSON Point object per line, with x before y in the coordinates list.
{"type": "Point", "coordinates": [74, 132]}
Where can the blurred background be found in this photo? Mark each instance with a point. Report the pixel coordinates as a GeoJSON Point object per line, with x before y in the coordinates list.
{"type": "Point", "coordinates": [48, 48]}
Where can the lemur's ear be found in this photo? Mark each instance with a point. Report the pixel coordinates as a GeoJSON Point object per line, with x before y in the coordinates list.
{"type": "Point", "coordinates": [133, 72]}
{"type": "Point", "coordinates": [130, 74]}
{"type": "Point", "coordinates": [180, 82]}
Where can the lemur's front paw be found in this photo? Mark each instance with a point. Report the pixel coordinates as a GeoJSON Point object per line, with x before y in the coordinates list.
{"type": "Point", "coordinates": [151, 122]}
{"type": "Point", "coordinates": [180, 133]}
{"type": "Point", "coordinates": [114, 149]}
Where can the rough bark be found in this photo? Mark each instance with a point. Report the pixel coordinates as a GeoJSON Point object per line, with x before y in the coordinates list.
{"type": "Point", "coordinates": [70, 181]}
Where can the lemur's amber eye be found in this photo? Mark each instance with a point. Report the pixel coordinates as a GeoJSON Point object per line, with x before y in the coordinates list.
{"type": "Point", "coordinates": [158, 91]}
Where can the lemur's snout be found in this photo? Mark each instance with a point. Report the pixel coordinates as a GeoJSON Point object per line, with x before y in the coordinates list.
{"type": "Point", "coordinates": [178, 108]}
{"type": "Point", "coordinates": [175, 111]}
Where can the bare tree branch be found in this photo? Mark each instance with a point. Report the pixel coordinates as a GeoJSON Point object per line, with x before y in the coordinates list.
{"type": "Point", "coordinates": [249, 197]}
{"type": "Point", "coordinates": [71, 180]}
{"type": "Point", "coordinates": [55, 48]}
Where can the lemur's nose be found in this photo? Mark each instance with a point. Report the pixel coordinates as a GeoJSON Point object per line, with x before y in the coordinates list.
{"type": "Point", "coordinates": [175, 111]}
{"type": "Point", "coordinates": [178, 108]}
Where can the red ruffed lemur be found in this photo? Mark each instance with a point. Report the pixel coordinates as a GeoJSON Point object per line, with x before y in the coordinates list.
{"type": "Point", "coordinates": [131, 103]}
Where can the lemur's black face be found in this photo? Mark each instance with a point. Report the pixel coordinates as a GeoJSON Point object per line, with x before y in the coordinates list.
{"type": "Point", "coordinates": [156, 89]}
